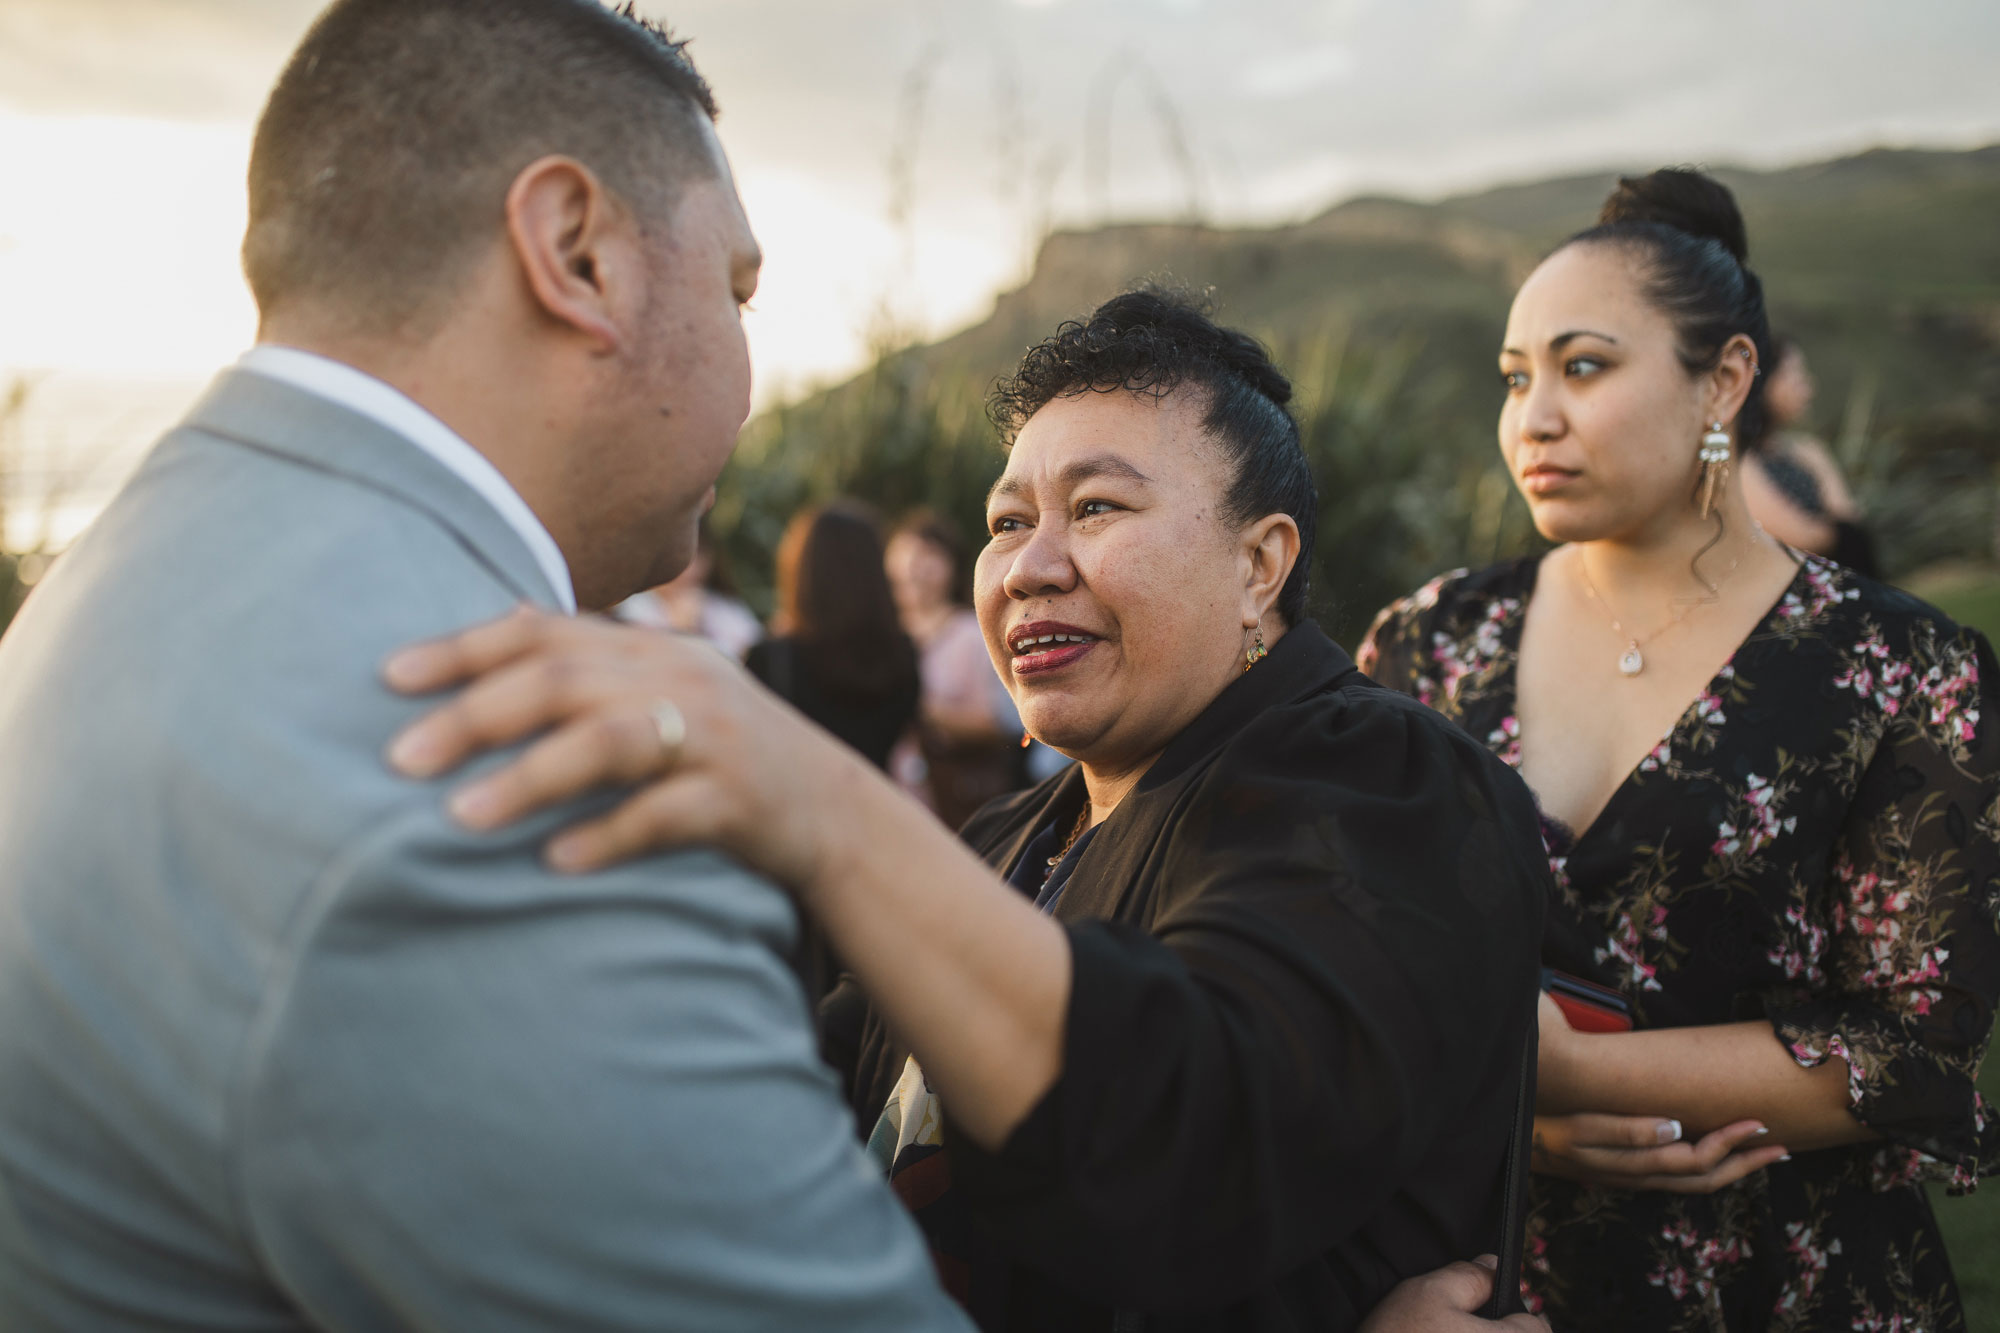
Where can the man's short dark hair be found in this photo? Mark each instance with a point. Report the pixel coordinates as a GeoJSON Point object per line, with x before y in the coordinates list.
{"type": "Point", "coordinates": [1156, 341]}
{"type": "Point", "coordinates": [383, 158]}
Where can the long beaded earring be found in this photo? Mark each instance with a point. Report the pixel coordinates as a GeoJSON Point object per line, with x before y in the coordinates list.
{"type": "Point", "coordinates": [1714, 465]}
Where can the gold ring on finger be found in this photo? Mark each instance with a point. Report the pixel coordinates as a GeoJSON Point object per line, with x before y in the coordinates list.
{"type": "Point", "coordinates": [671, 725]}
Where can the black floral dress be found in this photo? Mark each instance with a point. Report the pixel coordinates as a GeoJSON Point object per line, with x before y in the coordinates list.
{"type": "Point", "coordinates": [1816, 842]}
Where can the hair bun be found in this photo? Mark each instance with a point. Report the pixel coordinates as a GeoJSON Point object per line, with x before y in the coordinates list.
{"type": "Point", "coordinates": [1681, 198]}
{"type": "Point", "coordinates": [1253, 364]}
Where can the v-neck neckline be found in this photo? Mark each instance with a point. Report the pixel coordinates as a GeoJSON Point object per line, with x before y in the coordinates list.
{"type": "Point", "coordinates": [1510, 682]}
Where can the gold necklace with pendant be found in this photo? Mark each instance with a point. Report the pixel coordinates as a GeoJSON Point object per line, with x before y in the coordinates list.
{"type": "Point", "coordinates": [1631, 662]}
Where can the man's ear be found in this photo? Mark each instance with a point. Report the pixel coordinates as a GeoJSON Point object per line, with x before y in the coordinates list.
{"type": "Point", "coordinates": [1271, 548]}
{"type": "Point", "coordinates": [561, 222]}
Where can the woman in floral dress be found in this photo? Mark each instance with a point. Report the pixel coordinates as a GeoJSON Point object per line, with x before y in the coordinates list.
{"type": "Point", "coordinates": [1769, 794]}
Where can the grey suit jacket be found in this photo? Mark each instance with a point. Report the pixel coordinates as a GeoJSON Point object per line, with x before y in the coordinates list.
{"type": "Point", "coordinates": [282, 1047]}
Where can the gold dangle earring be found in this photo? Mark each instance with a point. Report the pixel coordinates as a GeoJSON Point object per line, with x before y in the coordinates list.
{"type": "Point", "coordinates": [1714, 464]}
{"type": "Point", "coordinates": [1257, 652]}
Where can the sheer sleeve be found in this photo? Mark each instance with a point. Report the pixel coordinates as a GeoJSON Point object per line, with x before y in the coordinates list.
{"type": "Point", "coordinates": [1345, 965]}
{"type": "Point", "coordinates": [1395, 651]}
{"type": "Point", "coordinates": [1911, 962]}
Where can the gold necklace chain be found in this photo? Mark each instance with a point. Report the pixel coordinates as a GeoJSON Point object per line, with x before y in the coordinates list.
{"type": "Point", "coordinates": [1076, 831]}
{"type": "Point", "coordinates": [1631, 662]}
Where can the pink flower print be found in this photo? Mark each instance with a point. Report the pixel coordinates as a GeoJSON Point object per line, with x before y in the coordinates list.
{"type": "Point", "coordinates": [1893, 1168]}
{"type": "Point", "coordinates": [1798, 955]}
{"type": "Point", "coordinates": [1756, 823]}
{"type": "Point", "coordinates": [1453, 668]}
{"type": "Point", "coordinates": [1627, 942]}
{"type": "Point", "coordinates": [1875, 676]}
{"type": "Point", "coordinates": [1873, 911]}
{"type": "Point", "coordinates": [1813, 1055]}
{"type": "Point", "coordinates": [1821, 591]}
{"type": "Point", "coordinates": [1426, 597]}
{"type": "Point", "coordinates": [1949, 693]}
{"type": "Point", "coordinates": [1505, 741]}
{"type": "Point", "coordinates": [1701, 1258]}
{"type": "Point", "coordinates": [1808, 1267]}
{"type": "Point", "coordinates": [1456, 661]}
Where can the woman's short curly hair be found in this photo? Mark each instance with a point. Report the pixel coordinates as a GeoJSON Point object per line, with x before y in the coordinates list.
{"type": "Point", "coordinates": [1154, 342]}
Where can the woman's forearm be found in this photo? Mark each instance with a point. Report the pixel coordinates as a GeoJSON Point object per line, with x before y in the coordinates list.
{"type": "Point", "coordinates": [1705, 1077]}
{"type": "Point", "coordinates": [960, 965]}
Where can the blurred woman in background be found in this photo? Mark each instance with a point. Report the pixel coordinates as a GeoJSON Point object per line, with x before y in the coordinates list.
{"type": "Point", "coordinates": [839, 655]}
{"type": "Point", "coordinates": [701, 602]}
{"type": "Point", "coordinates": [1796, 490]}
{"type": "Point", "coordinates": [1768, 789]}
{"type": "Point", "coordinates": [966, 747]}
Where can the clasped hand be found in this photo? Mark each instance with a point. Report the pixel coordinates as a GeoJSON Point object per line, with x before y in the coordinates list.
{"type": "Point", "coordinates": [1637, 1152]}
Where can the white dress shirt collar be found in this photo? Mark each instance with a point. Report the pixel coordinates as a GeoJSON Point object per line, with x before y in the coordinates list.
{"type": "Point", "coordinates": [363, 393]}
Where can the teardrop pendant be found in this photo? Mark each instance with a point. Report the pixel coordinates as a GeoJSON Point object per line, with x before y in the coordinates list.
{"type": "Point", "coordinates": [1631, 664]}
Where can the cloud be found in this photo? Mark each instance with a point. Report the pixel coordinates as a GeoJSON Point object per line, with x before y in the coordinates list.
{"type": "Point", "coordinates": [1292, 73]}
{"type": "Point", "coordinates": [1271, 108]}
{"type": "Point", "coordinates": [174, 59]}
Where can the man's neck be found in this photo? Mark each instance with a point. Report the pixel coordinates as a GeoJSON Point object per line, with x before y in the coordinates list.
{"type": "Point", "coordinates": [473, 402]}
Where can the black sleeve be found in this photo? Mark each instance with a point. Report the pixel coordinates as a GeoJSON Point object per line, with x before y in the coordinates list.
{"type": "Point", "coordinates": [758, 662]}
{"type": "Point", "coordinates": [1349, 949]}
{"type": "Point", "coordinates": [843, 1016]}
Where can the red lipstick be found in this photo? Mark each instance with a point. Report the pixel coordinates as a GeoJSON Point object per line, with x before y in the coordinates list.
{"type": "Point", "coordinates": [1042, 646]}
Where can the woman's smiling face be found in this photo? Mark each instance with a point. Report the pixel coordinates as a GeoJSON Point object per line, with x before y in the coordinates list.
{"type": "Point", "coordinates": [1113, 598]}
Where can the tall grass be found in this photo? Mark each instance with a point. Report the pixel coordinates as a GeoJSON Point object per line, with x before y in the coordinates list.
{"type": "Point", "coordinates": [1400, 434]}
{"type": "Point", "coordinates": [1408, 485]}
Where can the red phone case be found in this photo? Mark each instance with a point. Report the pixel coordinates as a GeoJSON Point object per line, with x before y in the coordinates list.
{"type": "Point", "coordinates": [1586, 1006]}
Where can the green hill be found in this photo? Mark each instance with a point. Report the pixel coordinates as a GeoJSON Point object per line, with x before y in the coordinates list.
{"type": "Point", "coordinates": [1387, 312]}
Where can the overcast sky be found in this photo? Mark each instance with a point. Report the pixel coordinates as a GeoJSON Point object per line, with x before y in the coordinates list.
{"type": "Point", "coordinates": [126, 126]}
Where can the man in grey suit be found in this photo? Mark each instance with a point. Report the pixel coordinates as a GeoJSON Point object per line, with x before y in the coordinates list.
{"type": "Point", "coordinates": [280, 1045]}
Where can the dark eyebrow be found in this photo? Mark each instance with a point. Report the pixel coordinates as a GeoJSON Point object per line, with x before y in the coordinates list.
{"type": "Point", "coordinates": [1562, 340]}
{"type": "Point", "coordinates": [1074, 475]}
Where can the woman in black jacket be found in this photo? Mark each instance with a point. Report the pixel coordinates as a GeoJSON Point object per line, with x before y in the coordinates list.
{"type": "Point", "coordinates": [1219, 1029]}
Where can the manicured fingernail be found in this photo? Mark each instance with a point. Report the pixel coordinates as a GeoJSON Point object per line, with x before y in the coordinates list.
{"type": "Point", "coordinates": [1784, 1157]}
{"type": "Point", "coordinates": [404, 667]}
{"type": "Point", "coordinates": [474, 806]}
{"type": "Point", "coordinates": [569, 854]}
{"type": "Point", "coordinates": [1760, 1131]}
{"type": "Point", "coordinates": [413, 752]}
{"type": "Point", "coordinates": [1488, 1261]}
{"type": "Point", "coordinates": [1668, 1131]}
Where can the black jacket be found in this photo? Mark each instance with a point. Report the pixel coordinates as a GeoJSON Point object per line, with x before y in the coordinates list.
{"type": "Point", "coordinates": [1305, 962]}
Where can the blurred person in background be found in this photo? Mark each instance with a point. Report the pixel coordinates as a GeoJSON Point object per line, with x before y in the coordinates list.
{"type": "Point", "coordinates": [839, 654]}
{"type": "Point", "coordinates": [1794, 487]}
{"type": "Point", "coordinates": [1223, 1028]}
{"type": "Point", "coordinates": [702, 602]}
{"type": "Point", "coordinates": [966, 749]}
{"type": "Point", "coordinates": [1768, 788]}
